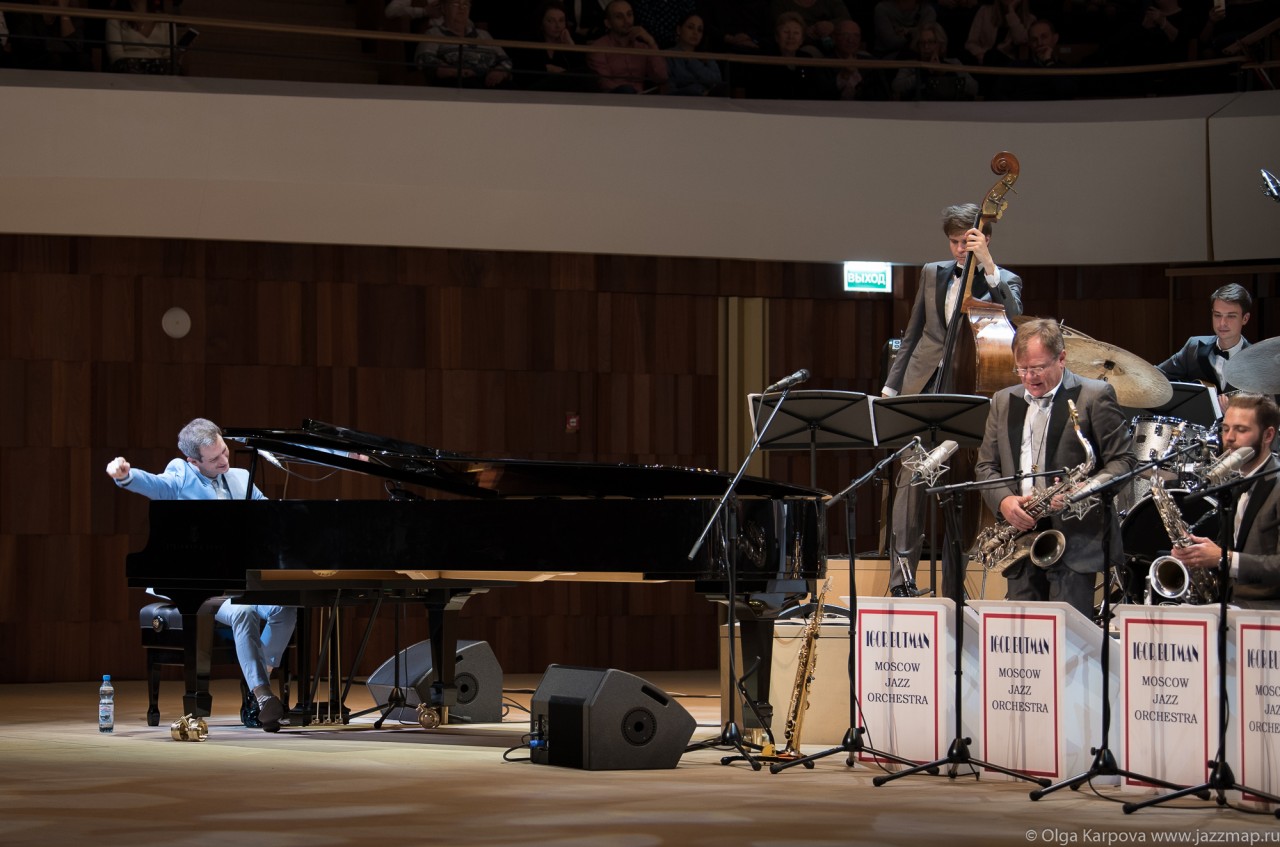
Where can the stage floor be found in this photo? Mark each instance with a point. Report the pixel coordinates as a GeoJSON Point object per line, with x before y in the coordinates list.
{"type": "Point", "coordinates": [64, 782]}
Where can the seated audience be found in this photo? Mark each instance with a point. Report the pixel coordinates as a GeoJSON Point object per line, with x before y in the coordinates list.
{"type": "Point", "coordinates": [820, 16]}
{"type": "Point", "coordinates": [660, 18]}
{"type": "Point", "coordinates": [620, 73]}
{"type": "Point", "coordinates": [998, 35]}
{"type": "Point", "coordinates": [469, 65]}
{"type": "Point", "coordinates": [692, 76]}
{"type": "Point", "coordinates": [549, 68]}
{"type": "Point", "coordinates": [1043, 38]}
{"type": "Point", "coordinates": [141, 47]}
{"type": "Point", "coordinates": [898, 22]}
{"type": "Point", "coordinates": [854, 83]}
{"type": "Point", "coordinates": [930, 46]}
{"type": "Point", "coordinates": [790, 82]}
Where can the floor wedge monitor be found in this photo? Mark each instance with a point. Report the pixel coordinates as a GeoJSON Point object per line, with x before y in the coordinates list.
{"type": "Point", "coordinates": [477, 676]}
{"type": "Point", "coordinates": [603, 720]}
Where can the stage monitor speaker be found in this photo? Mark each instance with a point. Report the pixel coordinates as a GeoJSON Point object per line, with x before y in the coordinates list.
{"type": "Point", "coordinates": [477, 676]}
{"type": "Point", "coordinates": [601, 720]}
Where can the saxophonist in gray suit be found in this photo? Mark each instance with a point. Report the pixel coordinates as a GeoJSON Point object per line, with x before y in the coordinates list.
{"type": "Point", "coordinates": [915, 368]}
{"type": "Point", "coordinates": [1250, 421]}
{"type": "Point", "coordinates": [1028, 431]}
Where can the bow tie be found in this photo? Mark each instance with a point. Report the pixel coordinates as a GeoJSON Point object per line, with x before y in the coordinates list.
{"type": "Point", "coordinates": [1223, 353]}
{"type": "Point", "coordinates": [958, 272]}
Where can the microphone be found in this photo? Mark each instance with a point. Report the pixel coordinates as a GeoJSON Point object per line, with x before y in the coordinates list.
{"type": "Point", "coordinates": [786, 382]}
{"type": "Point", "coordinates": [1222, 469]}
{"type": "Point", "coordinates": [931, 465]}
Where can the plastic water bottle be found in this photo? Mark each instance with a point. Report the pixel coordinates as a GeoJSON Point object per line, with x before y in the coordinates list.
{"type": "Point", "coordinates": [106, 705]}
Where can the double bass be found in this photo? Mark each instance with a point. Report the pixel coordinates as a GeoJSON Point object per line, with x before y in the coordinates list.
{"type": "Point", "coordinates": [977, 357]}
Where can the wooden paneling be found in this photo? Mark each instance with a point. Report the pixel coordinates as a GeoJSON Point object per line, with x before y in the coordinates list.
{"type": "Point", "coordinates": [480, 352]}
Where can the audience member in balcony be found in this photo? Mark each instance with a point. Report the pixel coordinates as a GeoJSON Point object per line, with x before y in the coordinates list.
{"type": "Point", "coordinates": [549, 68]}
{"type": "Point", "coordinates": [736, 26]}
{"type": "Point", "coordinates": [790, 82]}
{"type": "Point", "coordinates": [999, 33]}
{"type": "Point", "coordinates": [585, 19]}
{"type": "Point", "coordinates": [1043, 39]}
{"type": "Point", "coordinates": [930, 46]}
{"type": "Point", "coordinates": [620, 73]}
{"type": "Point", "coordinates": [854, 83]}
{"type": "Point", "coordinates": [470, 65]}
{"type": "Point", "coordinates": [820, 17]}
{"type": "Point", "coordinates": [46, 40]}
{"type": "Point", "coordinates": [692, 76]}
{"type": "Point", "coordinates": [898, 23]}
{"type": "Point", "coordinates": [661, 18]}
{"type": "Point", "coordinates": [142, 47]}
{"type": "Point", "coordinates": [1231, 21]}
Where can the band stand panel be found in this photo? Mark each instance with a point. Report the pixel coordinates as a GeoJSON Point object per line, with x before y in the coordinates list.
{"type": "Point", "coordinates": [905, 675]}
{"type": "Point", "coordinates": [1039, 692]}
{"type": "Point", "coordinates": [1169, 708]}
{"type": "Point", "coordinates": [1253, 689]}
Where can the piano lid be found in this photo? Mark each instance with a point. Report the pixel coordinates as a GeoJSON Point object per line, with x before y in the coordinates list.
{"type": "Point", "coordinates": [405, 462]}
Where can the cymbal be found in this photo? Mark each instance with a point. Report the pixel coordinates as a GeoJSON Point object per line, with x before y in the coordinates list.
{"type": "Point", "coordinates": [1137, 383]}
{"type": "Point", "coordinates": [1067, 332]}
{"type": "Point", "coordinates": [1256, 367]}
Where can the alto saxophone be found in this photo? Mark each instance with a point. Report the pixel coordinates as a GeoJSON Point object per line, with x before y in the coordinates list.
{"type": "Point", "coordinates": [1170, 578]}
{"type": "Point", "coordinates": [1004, 545]}
{"type": "Point", "coordinates": [806, 661]}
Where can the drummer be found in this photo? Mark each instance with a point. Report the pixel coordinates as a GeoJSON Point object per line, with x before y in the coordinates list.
{"type": "Point", "coordinates": [1250, 421]}
{"type": "Point", "coordinates": [1204, 357]}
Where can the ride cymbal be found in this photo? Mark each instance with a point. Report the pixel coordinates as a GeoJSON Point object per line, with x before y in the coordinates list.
{"type": "Point", "coordinates": [1138, 384]}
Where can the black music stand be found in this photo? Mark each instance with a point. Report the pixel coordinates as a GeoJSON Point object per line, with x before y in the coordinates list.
{"type": "Point", "coordinates": [815, 420]}
{"type": "Point", "coordinates": [933, 418]}
{"type": "Point", "coordinates": [1193, 402]}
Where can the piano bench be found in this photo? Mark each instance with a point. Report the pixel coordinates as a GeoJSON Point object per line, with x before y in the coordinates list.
{"type": "Point", "coordinates": [163, 644]}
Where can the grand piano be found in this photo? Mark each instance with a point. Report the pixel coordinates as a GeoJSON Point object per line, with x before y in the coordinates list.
{"type": "Point", "coordinates": [453, 526]}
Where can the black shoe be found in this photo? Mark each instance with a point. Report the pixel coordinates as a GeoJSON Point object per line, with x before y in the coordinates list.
{"type": "Point", "coordinates": [249, 708]}
{"type": "Point", "coordinates": [270, 711]}
{"type": "Point", "coordinates": [904, 591]}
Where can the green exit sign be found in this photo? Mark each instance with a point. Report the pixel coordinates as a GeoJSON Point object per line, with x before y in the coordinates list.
{"type": "Point", "coordinates": [868, 277]}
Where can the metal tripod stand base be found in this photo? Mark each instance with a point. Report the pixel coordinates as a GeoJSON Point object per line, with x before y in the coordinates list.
{"type": "Point", "coordinates": [1104, 764]}
{"type": "Point", "coordinates": [852, 745]}
{"type": "Point", "coordinates": [958, 754]}
{"type": "Point", "coordinates": [730, 736]}
{"type": "Point", "coordinates": [1221, 780]}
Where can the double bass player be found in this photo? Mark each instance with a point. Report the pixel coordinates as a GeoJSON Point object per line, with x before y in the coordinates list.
{"type": "Point", "coordinates": [915, 370]}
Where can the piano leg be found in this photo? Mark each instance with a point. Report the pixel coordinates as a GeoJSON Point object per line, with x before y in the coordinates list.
{"type": "Point", "coordinates": [197, 645]}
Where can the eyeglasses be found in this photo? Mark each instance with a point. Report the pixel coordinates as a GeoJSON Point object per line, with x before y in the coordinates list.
{"type": "Point", "coordinates": [1036, 371]}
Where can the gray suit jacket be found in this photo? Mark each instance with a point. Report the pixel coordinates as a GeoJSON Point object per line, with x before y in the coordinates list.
{"type": "Point", "coordinates": [1191, 363]}
{"type": "Point", "coordinates": [1102, 424]}
{"type": "Point", "coordinates": [1257, 585]}
{"type": "Point", "coordinates": [926, 333]}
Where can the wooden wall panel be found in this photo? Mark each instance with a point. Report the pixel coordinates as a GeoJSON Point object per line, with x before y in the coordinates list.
{"type": "Point", "coordinates": [480, 352]}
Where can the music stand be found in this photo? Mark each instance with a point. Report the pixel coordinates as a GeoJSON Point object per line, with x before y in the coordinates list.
{"type": "Point", "coordinates": [933, 418]}
{"type": "Point", "coordinates": [815, 420]}
{"type": "Point", "coordinates": [1193, 402]}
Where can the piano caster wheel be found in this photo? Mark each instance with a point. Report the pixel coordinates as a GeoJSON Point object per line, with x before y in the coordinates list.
{"type": "Point", "coordinates": [428, 717]}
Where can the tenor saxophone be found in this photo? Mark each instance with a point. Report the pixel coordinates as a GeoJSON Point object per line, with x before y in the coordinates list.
{"type": "Point", "coordinates": [806, 661]}
{"type": "Point", "coordinates": [1169, 578]}
{"type": "Point", "coordinates": [1004, 545]}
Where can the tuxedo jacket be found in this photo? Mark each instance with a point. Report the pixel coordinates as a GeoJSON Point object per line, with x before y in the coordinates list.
{"type": "Point", "coordinates": [1257, 584]}
{"type": "Point", "coordinates": [1191, 363]}
{"type": "Point", "coordinates": [1106, 429]}
{"type": "Point", "coordinates": [182, 481]}
{"type": "Point", "coordinates": [926, 333]}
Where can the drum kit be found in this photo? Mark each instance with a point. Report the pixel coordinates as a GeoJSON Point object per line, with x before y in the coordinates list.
{"type": "Point", "coordinates": [1139, 385]}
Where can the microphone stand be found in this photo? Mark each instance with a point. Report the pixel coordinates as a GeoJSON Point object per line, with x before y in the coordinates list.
{"type": "Point", "coordinates": [852, 743]}
{"type": "Point", "coordinates": [730, 735]}
{"type": "Point", "coordinates": [1221, 778]}
{"type": "Point", "coordinates": [958, 753]}
{"type": "Point", "coordinates": [1104, 761]}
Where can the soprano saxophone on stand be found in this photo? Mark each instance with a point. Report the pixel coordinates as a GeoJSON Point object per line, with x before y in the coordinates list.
{"type": "Point", "coordinates": [1004, 545]}
{"type": "Point", "coordinates": [806, 661]}
{"type": "Point", "coordinates": [1170, 579]}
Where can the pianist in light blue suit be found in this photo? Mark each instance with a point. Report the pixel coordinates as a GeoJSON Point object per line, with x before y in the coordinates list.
{"type": "Point", "coordinates": [261, 633]}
